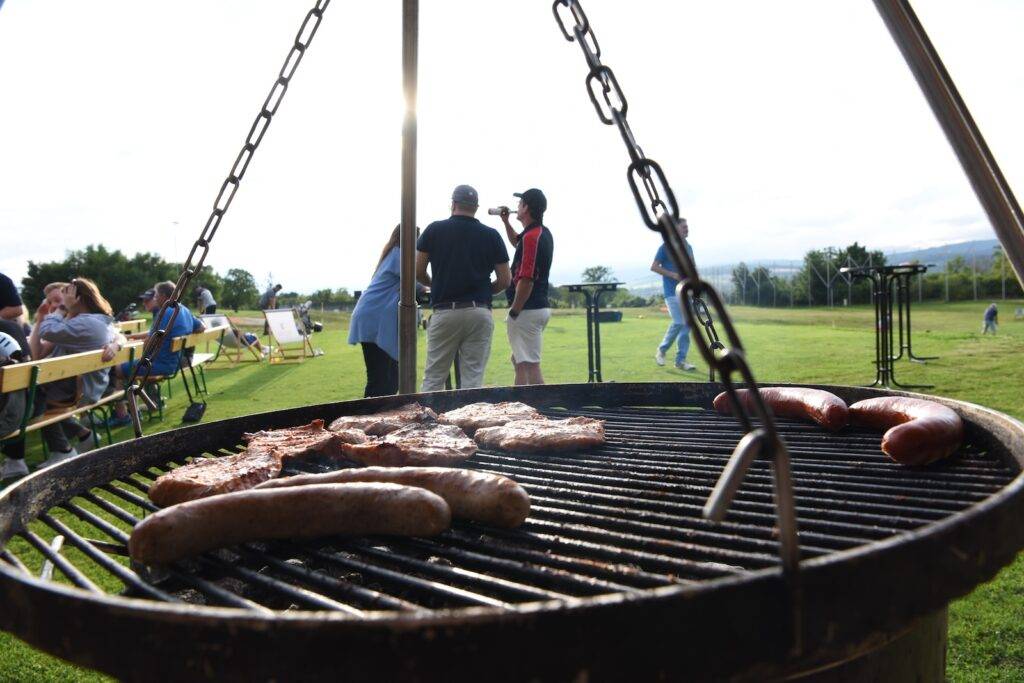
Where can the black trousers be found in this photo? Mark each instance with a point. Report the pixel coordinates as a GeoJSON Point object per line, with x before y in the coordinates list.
{"type": "Point", "coordinates": [381, 371]}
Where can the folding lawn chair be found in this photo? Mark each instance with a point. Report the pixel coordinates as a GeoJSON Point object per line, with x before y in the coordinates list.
{"type": "Point", "coordinates": [231, 347]}
{"type": "Point", "coordinates": [289, 344]}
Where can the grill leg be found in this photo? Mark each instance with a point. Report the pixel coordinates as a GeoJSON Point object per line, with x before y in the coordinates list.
{"type": "Point", "coordinates": [919, 654]}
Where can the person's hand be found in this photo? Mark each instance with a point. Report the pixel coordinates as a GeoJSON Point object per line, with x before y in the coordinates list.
{"type": "Point", "coordinates": [109, 351]}
{"type": "Point", "coordinates": [43, 310]}
{"type": "Point", "coordinates": [505, 211]}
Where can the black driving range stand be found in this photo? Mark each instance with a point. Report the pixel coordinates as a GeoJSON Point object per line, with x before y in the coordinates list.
{"type": "Point", "coordinates": [592, 292]}
{"type": "Point", "coordinates": [890, 288]}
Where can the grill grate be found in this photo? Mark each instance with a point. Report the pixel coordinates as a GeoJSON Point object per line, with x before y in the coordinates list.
{"type": "Point", "coordinates": [618, 519]}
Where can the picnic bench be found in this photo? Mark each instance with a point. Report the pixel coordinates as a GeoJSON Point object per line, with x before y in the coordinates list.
{"type": "Point", "coordinates": [29, 376]}
{"type": "Point", "coordinates": [132, 326]}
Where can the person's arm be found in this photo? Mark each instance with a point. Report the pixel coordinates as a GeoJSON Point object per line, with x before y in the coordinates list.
{"type": "Point", "coordinates": [55, 328]}
{"type": "Point", "coordinates": [12, 312]}
{"type": "Point", "coordinates": [523, 290]}
{"type": "Point", "coordinates": [36, 346]}
{"type": "Point", "coordinates": [513, 236]}
{"type": "Point", "coordinates": [116, 343]}
{"type": "Point", "coordinates": [422, 260]}
{"type": "Point", "coordinates": [660, 270]}
{"type": "Point", "coordinates": [504, 278]}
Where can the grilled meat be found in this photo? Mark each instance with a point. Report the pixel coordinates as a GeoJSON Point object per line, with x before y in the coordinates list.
{"type": "Point", "coordinates": [260, 461]}
{"type": "Point", "coordinates": [478, 496]}
{"type": "Point", "coordinates": [477, 415]}
{"type": "Point", "coordinates": [544, 436]}
{"type": "Point", "coordinates": [386, 421]}
{"type": "Point", "coordinates": [301, 512]}
{"type": "Point", "coordinates": [414, 444]}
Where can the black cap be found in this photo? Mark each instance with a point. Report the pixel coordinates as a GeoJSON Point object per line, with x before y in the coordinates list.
{"type": "Point", "coordinates": [535, 200]}
{"type": "Point", "coordinates": [148, 294]}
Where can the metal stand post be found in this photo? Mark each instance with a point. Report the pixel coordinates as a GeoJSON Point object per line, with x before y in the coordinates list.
{"type": "Point", "coordinates": [407, 242]}
{"type": "Point", "coordinates": [890, 285]}
{"type": "Point", "coordinates": [592, 292]}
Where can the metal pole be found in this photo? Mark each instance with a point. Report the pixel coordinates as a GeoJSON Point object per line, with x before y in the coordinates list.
{"type": "Point", "coordinates": [407, 242]}
{"type": "Point", "coordinates": [990, 186]}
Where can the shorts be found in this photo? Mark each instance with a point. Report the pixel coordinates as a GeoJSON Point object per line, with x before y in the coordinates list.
{"type": "Point", "coordinates": [525, 334]}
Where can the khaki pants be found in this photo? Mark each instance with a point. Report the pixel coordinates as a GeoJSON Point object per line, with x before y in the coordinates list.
{"type": "Point", "coordinates": [467, 331]}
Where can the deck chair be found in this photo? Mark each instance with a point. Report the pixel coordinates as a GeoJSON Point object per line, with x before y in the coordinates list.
{"type": "Point", "coordinates": [289, 344]}
{"type": "Point", "coordinates": [231, 347]}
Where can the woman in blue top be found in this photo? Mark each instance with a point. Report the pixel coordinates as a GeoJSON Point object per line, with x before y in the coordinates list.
{"type": "Point", "coordinates": [374, 323]}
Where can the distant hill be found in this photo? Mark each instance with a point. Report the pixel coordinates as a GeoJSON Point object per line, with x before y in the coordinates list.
{"type": "Point", "coordinates": [978, 249]}
{"type": "Point", "coordinates": [642, 282]}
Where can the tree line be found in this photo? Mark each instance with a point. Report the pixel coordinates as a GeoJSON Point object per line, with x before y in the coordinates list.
{"type": "Point", "coordinates": [122, 278]}
{"type": "Point", "coordinates": [820, 281]}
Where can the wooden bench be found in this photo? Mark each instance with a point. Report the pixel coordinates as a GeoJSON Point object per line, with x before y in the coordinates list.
{"type": "Point", "coordinates": [29, 376]}
{"type": "Point", "coordinates": [132, 326]}
{"type": "Point", "coordinates": [198, 360]}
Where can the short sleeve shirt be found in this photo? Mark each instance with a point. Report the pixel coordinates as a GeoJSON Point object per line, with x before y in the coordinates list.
{"type": "Point", "coordinates": [206, 298]}
{"type": "Point", "coordinates": [8, 292]}
{"type": "Point", "coordinates": [375, 317]}
{"type": "Point", "coordinates": [166, 361]}
{"type": "Point", "coordinates": [463, 253]}
{"type": "Point", "coordinates": [532, 260]}
{"type": "Point", "coordinates": [668, 284]}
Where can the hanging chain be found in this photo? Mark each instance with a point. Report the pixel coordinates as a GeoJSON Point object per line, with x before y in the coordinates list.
{"type": "Point", "coordinates": [660, 212]}
{"type": "Point", "coordinates": [194, 263]}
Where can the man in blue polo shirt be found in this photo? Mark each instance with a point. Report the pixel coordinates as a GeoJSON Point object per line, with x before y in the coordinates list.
{"type": "Point", "coordinates": [462, 253]}
{"type": "Point", "coordinates": [678, 331]}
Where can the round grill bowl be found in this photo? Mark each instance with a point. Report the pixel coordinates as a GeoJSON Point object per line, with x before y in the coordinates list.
{"type": "Point", "coordinates": [740, 625]}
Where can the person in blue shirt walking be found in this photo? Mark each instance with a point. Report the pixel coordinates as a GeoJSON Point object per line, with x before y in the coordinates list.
{"type": "Point", "coordinates": [374, 324]}
{"type": "Point", "coordinates": [678, 331]}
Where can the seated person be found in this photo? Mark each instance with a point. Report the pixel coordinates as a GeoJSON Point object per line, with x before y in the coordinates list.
{"type": "Point", "coordinates": [165, 362]}
{"type": "Point", "coordinates": [85, 324]}
{"type": "Point", "coordinates": [250, 339]}
{"type": "Point", "coordinates": [53, 294]}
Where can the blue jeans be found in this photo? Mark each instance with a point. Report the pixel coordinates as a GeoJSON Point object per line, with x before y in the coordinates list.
{"type": "Point", "coordinates": [678, 331]}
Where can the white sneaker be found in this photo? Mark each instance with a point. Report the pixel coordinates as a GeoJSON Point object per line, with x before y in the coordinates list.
{"type": "Point", "coordinates": [659, 357]}
{"type": "Point", "coordinates": [13, 469]}
{"type": "Point", "coordinates": [85, 445]}
{"type": "Point", "coordinates": [686, 366]}
{"type": "Point", "coordinates": [56, 457]}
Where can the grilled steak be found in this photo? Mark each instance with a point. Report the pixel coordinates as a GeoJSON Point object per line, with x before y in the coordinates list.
{"type": "Point", "coordinates": [477, 415]}
{"type": "Point", "coordinates": [414, 444]}
{"type": "Point", "coordinates": [386, 421]}
{"type": "Point", "coordinates": [544, 436]}
{"type": "Point", "coordinates": [208, 477]}
{"type": "Point", "coordinates": [292, 441]}
{"type": "Point", "coordinates": [260, 461]}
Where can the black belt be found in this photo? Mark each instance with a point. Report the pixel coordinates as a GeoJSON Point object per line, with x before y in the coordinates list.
{"type": "Point", "coordinates": [451, 305]}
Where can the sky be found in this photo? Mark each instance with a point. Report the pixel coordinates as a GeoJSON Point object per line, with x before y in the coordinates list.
{"type": "Point", "coordinates": [781, 126]}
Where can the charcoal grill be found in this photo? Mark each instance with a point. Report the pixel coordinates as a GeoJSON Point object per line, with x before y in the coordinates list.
{"type": "Point", "coordinates": [614, 575]}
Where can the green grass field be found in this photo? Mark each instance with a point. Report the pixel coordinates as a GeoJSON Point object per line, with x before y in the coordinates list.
{"type": "Point", "coordinates": [986, 632]}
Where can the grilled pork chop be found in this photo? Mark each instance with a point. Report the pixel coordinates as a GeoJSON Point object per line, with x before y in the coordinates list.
{"type": "Point", "coordinates": [544, 436]}
{"type": "Point", "coordinates": [477, 415]}
{"type": "Point", "coordinates": [414, 444]}
{"type": "Point", "coordinates": [260, 461]}
{"type": "Point", "coordinates": [386, 421]}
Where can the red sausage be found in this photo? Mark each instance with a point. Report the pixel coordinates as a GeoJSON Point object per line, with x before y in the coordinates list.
{"type": "Point", "coordinates": [920, 432]}
{"type": "Point", "coordinates": [823, 407]}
